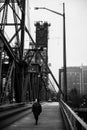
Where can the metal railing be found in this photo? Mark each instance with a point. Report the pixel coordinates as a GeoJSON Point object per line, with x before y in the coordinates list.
{"type": "Point", "coordinates": [71, 119]}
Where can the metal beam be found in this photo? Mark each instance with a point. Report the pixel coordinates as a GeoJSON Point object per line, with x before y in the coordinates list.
{"type": "Point", "coordinates": [44, 62]}
{"type": "Point", "coordinates": [7, 47]}
{"type": "Point", "coordinates": [10, 24]}
{"type": "Point", "coordinates": [1, 48]}
{"type": "Point", "coordinates": [10, 1]}
{"type": "Point", "coordinates": [22, 27]}
{"type": "Point", "coordinates": [52, 75]}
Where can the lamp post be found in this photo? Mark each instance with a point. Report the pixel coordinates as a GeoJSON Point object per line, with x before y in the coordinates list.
{"type": "Point", "coordinates": [64, 45]}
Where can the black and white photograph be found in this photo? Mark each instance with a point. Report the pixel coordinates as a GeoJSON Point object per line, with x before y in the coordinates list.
{"type": "Point", "coordinates": [43, 64]}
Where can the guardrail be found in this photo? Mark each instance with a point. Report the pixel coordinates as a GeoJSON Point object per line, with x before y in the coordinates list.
{"type": "Point", "coordinates": [71, 119]}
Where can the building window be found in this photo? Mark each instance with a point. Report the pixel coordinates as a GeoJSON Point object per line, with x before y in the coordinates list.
{"type": "Point", "coordinates": [85, 76]}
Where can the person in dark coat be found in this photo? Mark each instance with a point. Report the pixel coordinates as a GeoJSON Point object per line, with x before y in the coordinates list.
{"type": "Point", "coordinates": [36, 109]}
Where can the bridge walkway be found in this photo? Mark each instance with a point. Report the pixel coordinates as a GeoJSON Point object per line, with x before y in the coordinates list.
{"type": "Point", "coordinates": [50, 119]}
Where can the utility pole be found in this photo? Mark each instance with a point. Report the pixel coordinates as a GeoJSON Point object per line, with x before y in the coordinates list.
{"type": "Point", "coordinates": [64, 55]}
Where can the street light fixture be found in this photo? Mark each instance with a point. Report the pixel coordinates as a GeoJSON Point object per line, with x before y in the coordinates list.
{"type": "Point", "coordinates": [36, 8]}
{"type": "Point", "coordinates": [64, 44]}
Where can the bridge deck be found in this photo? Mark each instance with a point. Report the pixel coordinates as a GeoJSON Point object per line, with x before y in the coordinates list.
{"type": "Point", "coordinates": [50, 119]}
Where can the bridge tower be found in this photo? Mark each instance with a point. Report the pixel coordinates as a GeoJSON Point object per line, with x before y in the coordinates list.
{"type": "Point", "coordinates": [42, 44]}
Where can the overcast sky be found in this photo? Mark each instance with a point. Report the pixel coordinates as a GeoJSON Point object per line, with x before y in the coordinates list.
{"type": "Point", "coordinates": [76, 30]}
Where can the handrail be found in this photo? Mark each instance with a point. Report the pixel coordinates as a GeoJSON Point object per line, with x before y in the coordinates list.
{"type": "Point", "coordinates": [75, 122]}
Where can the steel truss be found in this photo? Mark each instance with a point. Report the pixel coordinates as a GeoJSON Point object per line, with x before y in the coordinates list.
{"type": "Point", "coordinates": [15, 80]}
{"type": "Point", "coordinates": [13, 46]}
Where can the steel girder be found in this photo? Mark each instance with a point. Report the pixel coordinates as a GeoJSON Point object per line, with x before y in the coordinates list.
{"type": "Point", "coordinates": [14, 46]}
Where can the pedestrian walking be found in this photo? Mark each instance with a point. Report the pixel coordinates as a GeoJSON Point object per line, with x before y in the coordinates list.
{"type": "Point", "coordinates": [36, 109]}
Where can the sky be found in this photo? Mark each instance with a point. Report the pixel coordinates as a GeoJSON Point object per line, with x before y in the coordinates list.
{"type": "Point", "coordinates": [76, 30]}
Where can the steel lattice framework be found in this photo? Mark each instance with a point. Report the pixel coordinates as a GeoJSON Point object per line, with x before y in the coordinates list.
{"type": "Point", "coordinates": [15, 62]}
{"type": "Point", "coordinates": [12, 29]}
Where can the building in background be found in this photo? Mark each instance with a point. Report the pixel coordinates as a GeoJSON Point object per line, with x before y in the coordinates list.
{"type": "Point", "coordinates": [76, 79]}
{"type": "Point", "coordinates": [84, 79]}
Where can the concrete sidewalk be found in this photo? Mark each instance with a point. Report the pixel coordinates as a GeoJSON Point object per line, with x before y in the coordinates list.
{"type": "Point", "coordinates": [50, 119]}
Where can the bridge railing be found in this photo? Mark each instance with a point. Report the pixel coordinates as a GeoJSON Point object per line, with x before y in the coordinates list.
{"type": "Point", "coordinates": [71, 119]}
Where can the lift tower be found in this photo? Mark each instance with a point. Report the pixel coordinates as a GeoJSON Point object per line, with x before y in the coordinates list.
{"type": "Point", "coordinates": [42, 43]}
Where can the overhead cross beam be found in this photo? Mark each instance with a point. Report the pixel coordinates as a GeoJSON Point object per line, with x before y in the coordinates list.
{"type": "Point", "coordinates": [10, 1]}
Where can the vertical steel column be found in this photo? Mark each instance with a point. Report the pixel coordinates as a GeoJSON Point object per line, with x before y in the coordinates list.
{"type": "Point", "coordinates": [22, 44]}
{"type": "Point", "coordinates": [46, 70]}
{"type": "Point", "coordinates": [22, 26]}
{"type": "Point", "coordinates": [1, 48]}
{"type": "Point", "coordinates": [12, 84]}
